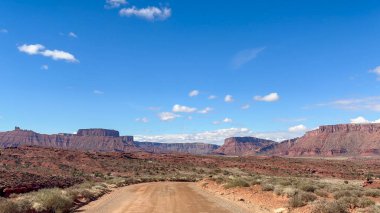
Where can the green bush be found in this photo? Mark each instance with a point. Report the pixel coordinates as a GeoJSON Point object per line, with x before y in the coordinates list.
{"type": "Point", "coordinates": [329, 207]}
{"type": "Point", "coordinates": [236, 183]}
{"type": "Point", "coordinates": [301, 198]}
{"type": "Point", "coordinates": [53, 200]}
{"type": "Point", "coordinates": [372, 193]}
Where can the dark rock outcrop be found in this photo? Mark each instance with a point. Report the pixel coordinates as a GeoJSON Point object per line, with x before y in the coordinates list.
{"type": "Point", "coordinates": [190, 148]}
{"type": "Point", "coordinates": [240, 146]}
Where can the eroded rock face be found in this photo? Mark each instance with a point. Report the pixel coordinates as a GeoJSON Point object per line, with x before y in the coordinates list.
{"type": "Point", "coordinates": [190, 148]}
{"type": "Point", "coordinates": [98, 132]}
{"type": "Point", "coordinates": [87, 140]}
{"type": "Point", "coordinates": [335, 140]}
{"type": "Point", "coordinates": [240, 146]}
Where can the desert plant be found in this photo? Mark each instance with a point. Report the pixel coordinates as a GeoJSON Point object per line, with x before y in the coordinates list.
{"type": "Point", "coordinates": [329, 207]}
{"type": "Point", "coordinates": [301, 198]}
{"type": "Point", "coordinates": [7, 206]}
{"type": "Point", "coordinates": [321, 193]}
{"type": "Point", "coordinates": [267, 187]}
{"type": "Point", "coordinates": [372, 193]}
{"type": "Point", "coordinates": [53, 200]}
{"type": "Point", "coordinates": [236, 183]}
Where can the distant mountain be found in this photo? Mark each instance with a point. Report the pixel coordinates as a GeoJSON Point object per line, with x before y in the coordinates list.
{"type": "Point", "coordinates": [87, 140]}
{"type": "Point", "coordinates": [101, 140]}
{"type": "Point", "coordinates": [242, 146]}
{"type": "Point", "coordinates": [334, 140]}
{"type": "Point", "coordinates": [190, 148]}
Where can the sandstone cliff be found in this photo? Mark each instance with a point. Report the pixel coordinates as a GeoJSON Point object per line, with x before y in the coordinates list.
{"type": "Point", "coordinates": [335, 140]}
{"type": "Point", "coordinates": [241, 146]}
{"type": "Point", "coordinates": [87, 140]}
{"type": "Point", "coordinates": [190, 148]}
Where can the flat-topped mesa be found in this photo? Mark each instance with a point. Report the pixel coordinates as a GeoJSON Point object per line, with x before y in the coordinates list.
{"type": "Point", "coordinates": [371, 127]}
{"type": "Point", "coordinates": [244, 146]}
{"type": "Point", "coordinates": [98, 132]}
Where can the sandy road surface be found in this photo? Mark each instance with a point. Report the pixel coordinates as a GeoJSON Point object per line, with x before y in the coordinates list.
{"type": "Point", "coordinates": [161, 197]}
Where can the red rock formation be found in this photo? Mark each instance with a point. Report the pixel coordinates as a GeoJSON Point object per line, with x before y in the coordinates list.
{"type": "Point", "coordinates": [88, 140]}
{"type": "Point", "coordinates": [336, 140]}
{"type": "Point", "coordinates": [190, 148]}
{"type": "Point", "coordinates": [244, 146]}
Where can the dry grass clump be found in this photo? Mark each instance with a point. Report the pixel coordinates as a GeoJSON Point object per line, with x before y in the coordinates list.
{"type": "Point", "coordinates": [301, 198]}
{"type": "Point", "coordinates": [238, 182]}
{"type": "Point", "coordinates": [329, 207]}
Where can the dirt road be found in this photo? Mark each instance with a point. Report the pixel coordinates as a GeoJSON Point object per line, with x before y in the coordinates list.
{"type": "Point", "coordinates": [161, 197]}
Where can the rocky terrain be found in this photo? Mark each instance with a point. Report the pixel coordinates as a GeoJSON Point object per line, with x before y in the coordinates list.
{"type": "Point", "coordinates": [243, 146]}
{"type": "Point", "coordinates": [334, 140]}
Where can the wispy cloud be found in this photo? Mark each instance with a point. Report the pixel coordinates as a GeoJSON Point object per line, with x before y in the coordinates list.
{"type": "Point", "coordinates": [72, 35]}
{"type": "Point", "coordinates": [115, 3]}
{"type": "Point", "coordinates": [142, 120]}
{"type": "Point", "coordinates": [38, 49]}
{"type": "Point", "coordinates": [180, 108]}
{"type": "Point", "coordinates": [98, 92]}
{"type": "Point", "coordinates": [211, 97]}
{"type": "Point", "coordinates": [44, 67]}
{"type": "Point", "coordinates": [366, 103]}
{"type": "Point", "coordinates": [167, 116]}
{"type": "Point", "coordinates": [245, 106]}
{"type": "Point", "coordinates": [205, 110]}
{"type": "Point", "coordinates": [376, 70]}
{"type": "Point", "coordinates": [227, 120]}
{"type": "Point", "coordinates": [362, 120]}
{"type": "Point", "coordinates": [268, 98]}
{"type": "Point", "coordinates": [148, 13]}
{"type": "Point", "coordinates": [298, 128]}
{"type": "Point", "coordinates": [194, 93]}
{"type": "Point", "coordinates": [228, 98]}
{"type": "Point", "coordinates": [245, 56]}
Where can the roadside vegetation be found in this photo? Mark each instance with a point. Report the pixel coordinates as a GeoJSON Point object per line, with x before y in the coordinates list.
{"type": "Point", "coordinates": [324, 196]}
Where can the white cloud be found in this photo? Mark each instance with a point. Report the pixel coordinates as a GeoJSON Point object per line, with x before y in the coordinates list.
{"type": "Point", "coordinates": [3, 31]}
{"type": "Point", "coordinates": [194, 93]}
{"type": "Point", "coordinates": [298, 128]}
{"type": "Point", "coordinates": [115, 3]}
{"type": "Point", "coordinates": [38, 49]}
{"type": "Point", "coordinates": [180, 108]}
{"type": "Point", "coordinates": [32, 49]}
{"type": "Point", "coordinates": [211, 97]}
{"type": "Point", "coordinates": [44, 67]}
{"type": "Point", "coordinates": [216, 122]}
{"type": "Point", "coordinates": [205, 110]}
{"type": "Point", "coordinates": [245, 56]}
{"type": "Point", "coordinates": [215, 136]}
{"type": "Point", "coordinates": [228, 98]}
{"type": "Point", "coordinates": [167, 116]}
{"type": "Point", "coordinates": [227, 120]}
{"type": "Point", "coordinates": [366, 103]}
{"type": "Point", "coordinates": [377, 72]}
{"type": "Point", "coordinates": [98, 92]}
{"type": "Point", "coordinates": [72, 35]}
{"type": "Point", "coordinates": [148, 13]}
{"type": "Point", "coordinates": [362, 120]}
{"type": "Point", "coordinates": [268, 98]}
{"type": "Point", "coordinates": [143, 120]}
{"type": "Point", "coordinates": [245, 106]}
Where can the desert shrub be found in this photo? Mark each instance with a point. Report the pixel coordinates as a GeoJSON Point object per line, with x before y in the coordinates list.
{"type": "Point", "coordinates": [289, 191]}
{"type": "Point", "coordinates": [321, 193]}
{"type": "Point", "coordinates": [278, 190]}
{"type": "Point", "coordinates": [301, 198]}
{"type": "Point", "coordinates": [347, 193]}
{"type": "Point", "coordinates": [373, 209]}
{"type": "Point", "coordinates": [329, 207]}
{"type": "Point", "coordinates": [256, 181]}
{"type": "Point", "coordinates": [365, 202]}
{"type": "Point", "coordinates": [53, 200]}
{"type": "Point", "coordinates": [7, 206]}
{"type": "Point", "coordinates": [372, 193]}
{"type": "Point", "coordinates": [349, 201]}
{"type": "Point", "coordinates": [236, 183]}
{"type": "Point", "coordinates": [267, 187]}
{"type": "Point", "coordinates": [307, 187]}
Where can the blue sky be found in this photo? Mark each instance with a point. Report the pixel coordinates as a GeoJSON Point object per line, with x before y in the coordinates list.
{"type": "Point", "coordinates": [273, 68]}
